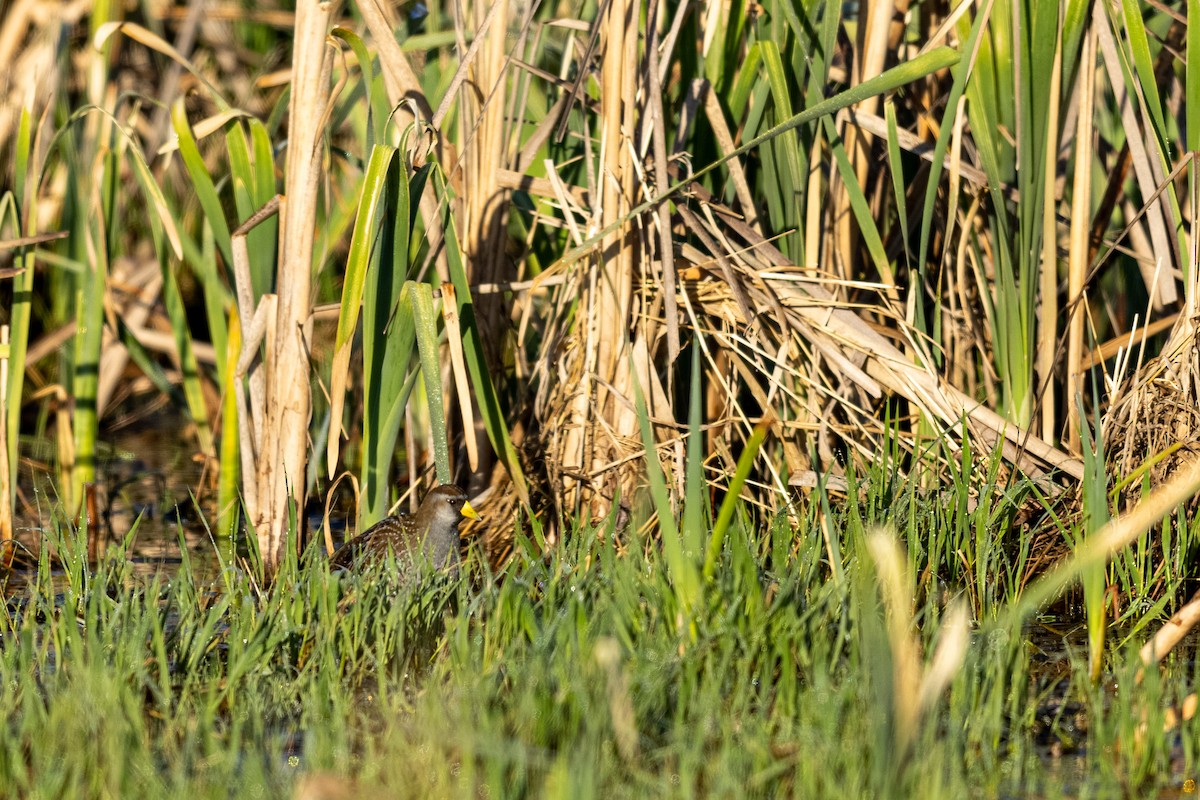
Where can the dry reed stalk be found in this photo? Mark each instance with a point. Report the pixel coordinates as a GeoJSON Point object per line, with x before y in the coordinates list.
{"type": "Point", "coordinates": [258, 324]}
{"type": "Point", "coordinates": [617, 281]}
{"type": "Point", "coordinates": [1047, 316]}
{"type": "Point", "coordinates": [598, 430]}
{"type": "Point", "coordinates": [868, 362]}
{"type": "Point", "coordinates": [458, 367]}
{"type": "Point", "coordinates": [483, 141]}
{"type": "Point", "coordinates": [737, 172]}
{"type": "Point", "coordinates": [6, 511]}
{"type": "Point", "coordinates": [656, 119]}
{"type": "Point", "coordinates": [814, 232]}
{"type": "Point", "coordinates": [1081, 220]}
{"type": "Point", "coordinates": [282, 459]}
{"type": "Point", "coordinates": [1171, 633]}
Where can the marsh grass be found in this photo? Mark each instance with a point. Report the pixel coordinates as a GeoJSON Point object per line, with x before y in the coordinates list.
{"type": "Point", "coordinates": [567, 675]}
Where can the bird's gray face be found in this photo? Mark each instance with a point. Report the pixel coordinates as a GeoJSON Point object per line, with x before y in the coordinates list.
{"type": "Point", "coordinates": [448, 515]}
{"type": "Point", "coordinates": [447, 506]}
{"type": "Point", "coordinates": [452, 507]}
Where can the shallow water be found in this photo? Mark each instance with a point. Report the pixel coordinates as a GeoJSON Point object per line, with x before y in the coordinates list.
{"type": "Point", "coordinates": [151, 493]}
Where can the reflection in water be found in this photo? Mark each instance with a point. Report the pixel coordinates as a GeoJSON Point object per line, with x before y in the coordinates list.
{"type": "Point", "coordinates": [150, 494]}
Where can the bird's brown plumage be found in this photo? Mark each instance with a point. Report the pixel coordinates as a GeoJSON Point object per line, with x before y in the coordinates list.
{"type": "Point", "coordinates": [430, 535]}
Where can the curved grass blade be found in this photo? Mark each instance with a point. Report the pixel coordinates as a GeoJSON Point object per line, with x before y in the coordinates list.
{"type": "Point", "coordinates": [378, 108]}
{"type": "Point", "coordinates": [202, 182]}
{"type": "Point", "coordinates": [154, 42]}
{"type": "Point", "coordinates": [388, 339]}
{"type": "Point", "coordinates": [362, 244]}
{"type": "Point", "coordinates": [425, 325]}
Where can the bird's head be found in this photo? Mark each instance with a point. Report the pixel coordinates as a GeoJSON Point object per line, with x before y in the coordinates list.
{"type": "Point", "coordinates": [448, 504]}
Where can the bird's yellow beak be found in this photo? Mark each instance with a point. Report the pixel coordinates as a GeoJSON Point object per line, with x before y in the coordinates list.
{"type": "Point", "coordinates": [469, 512]}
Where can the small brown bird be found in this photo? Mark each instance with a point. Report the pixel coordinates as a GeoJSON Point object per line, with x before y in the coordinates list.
{"type": "Point", "coordinates": [431, 535]}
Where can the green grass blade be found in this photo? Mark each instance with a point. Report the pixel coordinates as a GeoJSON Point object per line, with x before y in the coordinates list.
{"type": "Point", "coordinates": [89, 336]}
{"type": "Point", "coordinates": [363, 242]}
{"type": "Point", "coordinates": [25, 182]}
{"type": "Point", "coordinates": [695, 504]}
{"type": "Point", "coordinates": [202, 182]}
{"type": "Point", "coordinates": [896, 170]}
{"type": "Point", "coordinates": [1095, 515]}
{"type": "Point", "coordinates": [217, 298]}
{"type": "Point", "coordinates": [680, 566]}
{"type": "Point", "coordinates": [425, 324]}
{"type": "Point", "coordinates": [378, 108]}
{"type": "Point", "coordinates": [1192, 117]}
{"type": "Point", "coordinates": [367, 221]}
{"type": "Point", "coordinates": [252, 174]}
{"type": "Point", "coordinates": [1192, 78]}
{"type": "Point", "coordinates": [732, 498]}
{"type": "Point", "coordinates": [1139, 45]}
{"type": "Point", "coordinates": [192, 390]}
{"type": "Point", "coordinates": [788, 170]}
{"type": "Point", "coordinates": [858, 201]}
{"type": "Point", "coordinates": [388, 332]}
{"type": "Point", "coordinates": [228, 485]}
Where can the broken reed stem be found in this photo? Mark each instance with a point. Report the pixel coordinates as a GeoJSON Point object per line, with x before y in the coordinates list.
{"type": "Point", "coordinates": [256, 324]}
{"type": "Point", "coordinates": [283, 458]}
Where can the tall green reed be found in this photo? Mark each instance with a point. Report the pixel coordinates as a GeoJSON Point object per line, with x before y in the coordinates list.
{"type": "Point", "coordinates": [1095, 507]}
